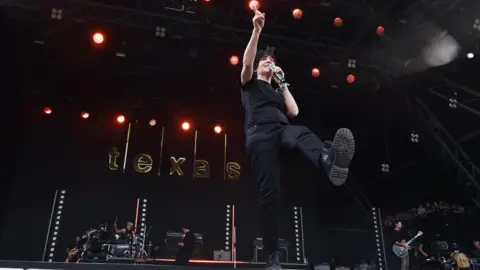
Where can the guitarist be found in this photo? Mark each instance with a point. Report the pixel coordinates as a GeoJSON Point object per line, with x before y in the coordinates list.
{"type": "Point", "coordinates": [398, 238]}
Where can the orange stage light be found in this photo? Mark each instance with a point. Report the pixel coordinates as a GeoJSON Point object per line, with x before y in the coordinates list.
{"type": "Point", "coordinates": [98, 38]}
{"type": "Point", "coordinates": [217, 129]}
{"type": "Point", "coordinates": [234, 60]}
{"type": "Point", "coordinates": [152, 122]}
{"type": "Point", "coordinates": [315, 72]}
{"type": "Point", "coordinates": [85, 115]}
{"type": "Point", "coordinates": [338, 22]}
{"type": "Point", "coordinates": [47, 110]}
{"type": "Point", "coordinates": [254, 5]}
{"type": "Point", "coordinates": [350, 78]}
{"type": "Point", "coordinates": [185, 126]}
{"type": "Point", "coordinates": [380, 31]}
{"type": "Point", "coordinates": [120, 119]}
{"type": "Point", "coordinates": [297, 13]}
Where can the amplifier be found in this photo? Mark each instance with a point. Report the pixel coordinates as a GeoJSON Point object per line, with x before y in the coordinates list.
{"type": "Point", "coordinates": [258, 242]}
{"type": "Point", "coordinates": [222, 255]}
{"type": "Point", "coordinates": [259, 254]}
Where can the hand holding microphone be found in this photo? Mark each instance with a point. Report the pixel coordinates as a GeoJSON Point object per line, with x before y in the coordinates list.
{"type": "Point", "coordinates": [279, 76]}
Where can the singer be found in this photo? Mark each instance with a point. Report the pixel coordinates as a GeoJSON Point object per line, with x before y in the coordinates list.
{"type": "Point", "coordinates": [267, 130]}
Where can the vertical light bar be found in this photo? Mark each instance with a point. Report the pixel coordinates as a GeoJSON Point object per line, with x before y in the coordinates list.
{"type": "Point", "coordinates": [303, 235]}
{"type": "Point", "coordinates": [161, 152]}
{"type": "Point", "coordinates": [143, 225]}
{"type": "Point", "coordinates": [54, 228]}
{"type": "Point", "coordinates": [227, 226]}
{"type": "Point", "coordinates": [136, 217]}
{"type": "Point", "coordinates": [50, 225]}
{"type": "Point", "coordinates": [225, 158]}
{"type": "Point", "coordinates": [296, 225]}
{"type": "Point", "coordinates": [195, 154]}
{"type": "Point", "coordinates": [234, 249]}
{"type": "Point", "coordinates": [126, 147]}
{"type": "Point", "coordinates": [378, 239]}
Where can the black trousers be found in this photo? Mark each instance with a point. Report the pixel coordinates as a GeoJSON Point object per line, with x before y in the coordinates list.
{"type": "Point", "coordinates": [263, 145]}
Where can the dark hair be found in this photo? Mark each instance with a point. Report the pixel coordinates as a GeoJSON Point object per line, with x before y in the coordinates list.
{"type": "Point", "coordinates": [396, 222]}
{"type": "Point", "coordinates": [262, 54]}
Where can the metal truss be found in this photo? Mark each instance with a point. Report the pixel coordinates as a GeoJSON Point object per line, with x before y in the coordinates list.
{"type": "Point", "coordinates": [463, 100]}
{"type": "Point", "coordinates": [184, 22]}
{"type": "Point", "coordinates": [449, 152]}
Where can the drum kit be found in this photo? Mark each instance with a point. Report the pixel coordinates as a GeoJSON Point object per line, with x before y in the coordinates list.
{"type": "Point", "coordinates": [104, 244]}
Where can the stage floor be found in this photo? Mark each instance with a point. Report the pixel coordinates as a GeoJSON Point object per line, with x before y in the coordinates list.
{"type": "Point", "coordinates": [129, 264]}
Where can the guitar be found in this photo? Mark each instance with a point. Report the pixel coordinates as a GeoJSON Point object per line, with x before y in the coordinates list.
{"type": "Point", "coordinates": [403, 251]}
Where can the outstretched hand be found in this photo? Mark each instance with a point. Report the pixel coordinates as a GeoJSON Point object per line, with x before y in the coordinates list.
{"type": "Point", "coordinates": [258, 20]}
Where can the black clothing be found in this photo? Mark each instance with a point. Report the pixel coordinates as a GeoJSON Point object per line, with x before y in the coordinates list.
{"type": "Point", "coordinates": [262, 104]}
{"type": "Point", "coordinates": [267, 131]}
{"type": "Point", "coordinates": [185, 253]}
{"type": "Point", "coordinates": [394, 262]}
{"type": "Point", "coordinates": [476, 253]}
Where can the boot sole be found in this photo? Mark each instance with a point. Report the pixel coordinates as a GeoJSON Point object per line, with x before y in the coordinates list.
{"type": "Point", "coordinates": [344, 147]}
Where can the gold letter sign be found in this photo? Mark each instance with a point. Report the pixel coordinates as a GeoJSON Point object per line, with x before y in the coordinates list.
{"type": "Point", "coordinates": [143, 163]}
{"type": "Point", "coordinates": [112, 159]}
{"type": "Point", "coordinates": [176, 163]}
{"type": "Point", "coordinates": [233, 170]}
{"type": "Point", "coordinates": [202, 169]}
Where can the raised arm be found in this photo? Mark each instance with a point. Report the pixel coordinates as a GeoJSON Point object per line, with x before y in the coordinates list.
{"type": "Point", "coordinates": [251, 50]}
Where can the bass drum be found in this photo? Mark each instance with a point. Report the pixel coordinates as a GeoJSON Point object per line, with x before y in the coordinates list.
{"type": "Point", "coordinates": [119, 251]}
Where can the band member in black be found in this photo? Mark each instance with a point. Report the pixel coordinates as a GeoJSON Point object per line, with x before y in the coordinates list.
{"type": "Point", "coordinates": [476, 250]}
{"type": "Point", "coordinates": [186, 247]}
{"type": "Point", "coordinates": [399, 240]}
{"type": "Point", "coordinates": [126, 233]}
{"type": "Point", "coordinates": [419, 257]}
{"type": "Point", "coordinates": [267, 130]}
{"type": "Point", "coordinates": [75, 250]}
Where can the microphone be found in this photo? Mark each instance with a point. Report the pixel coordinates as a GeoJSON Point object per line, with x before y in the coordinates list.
{"type": "Point", "coordinates": [279, 76]}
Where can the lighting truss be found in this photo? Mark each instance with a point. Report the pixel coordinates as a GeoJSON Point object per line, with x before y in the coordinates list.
{"type": "Point", "coordinates": [303, 45]}
{"type": "Point", "coordinates": [143, 228]}
{"type": "Point", "coordinates": [228, 221]}
{"type": "Point", "coordinates": [299, 237]}
{"type": "Point", "coordinates": [459, 96]}
{"type": "Point", "coordinates": [53, 231]}
{"type": "Point", "coordinates": [379, 243]}
{"type": "Point", "coordinates": [450, 153]}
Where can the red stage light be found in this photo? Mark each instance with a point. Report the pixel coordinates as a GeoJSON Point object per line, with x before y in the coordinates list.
{"type": "Point", "coordinates": [47, 110]}
{"type": "Point", "coordinates": [217, 129]}
{"type": "Point", "coordinates": [297, 13]}
{"type": "Point", "coordinates": [350, 78]}
{"type": "Point", "coordinates": [185, 126]}
{"type": "Point", "coordinates": [120, 119]}
{"type": "Point", "coordinates": [234, 60]}
{"type": "Point", "coordinates": [207, 1]}
{"type": "Point", "coordinates": [254, 5]}
{"type": "Point", "coordinates": [315, 72]}
{"type": "Point", "coordinates": [98, 38]}
{"type": "Point", "coordinates": [380, 31]}
{"type": "Point", "coordinates": [152, 122]}
{"type": "Point", "coordinates": [338, 22]}
{"type": "Point", "coordinates": [85, 115]}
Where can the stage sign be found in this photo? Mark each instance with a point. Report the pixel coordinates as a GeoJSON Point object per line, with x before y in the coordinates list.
{"type": "Point", "coordinates": [168, 160]}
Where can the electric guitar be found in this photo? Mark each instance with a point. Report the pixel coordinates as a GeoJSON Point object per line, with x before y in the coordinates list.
{"type": "Point", "coordinates": [403, 251]}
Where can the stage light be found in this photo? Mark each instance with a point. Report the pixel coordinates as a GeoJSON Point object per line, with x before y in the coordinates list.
{"type": "Point", "coordinates": [227, 227]}
{"type": "Point", "coordinates": [185, 126]}
{"type": "Point", "coordinates": [378, 235]}
{"type": "Point", "coordinates": [217, 129]}
{"type": "Point", "coordinates": [315, 72]}
{"type": "Point", "coordinates": [385, 167]}
{"type": "Point", "coordinates": [47, 110]}
{"type": "Point", "coordinates": [298, 225]}
{"type": "Point", "coordinates": [297, 13]}
{"type": "Point", "coordinates": [120, 119]}
{"type": "Point", "coordinates": [380, 31]}
{"type": "Point", "coordinates": [98, 38]}
{"type": "Point", "coordinates": [470, 55]}
{"type": "Point", "coordinates": [414, 137]}
{"type": "Point", "coordinates": [160, 31]}
{"type": "Point", "coordinates": [152, 122]}
{"type": "Point", "coordinates": [207, 1]}
{"type": "Point", "coordinates": [143, 225]}
{"type": "Point", "coordinates": [54, 231]}
{"type": "Point", "coordinates": [85, 115]}
{"type": "Point", "coordinates": [57, 14]}
{"type": "Point", "coordinates": [352, 63]}
{"type": "Point", "coordinates": [234, 60]}
{"type": "Point", "coordinates": [453, 102]}
{"type": "Point", "coordinates": [338, 22]}
{"type": "Point", "coordinates": [254, 5]}
{"type": "Point", "coordinates": [350, 78]}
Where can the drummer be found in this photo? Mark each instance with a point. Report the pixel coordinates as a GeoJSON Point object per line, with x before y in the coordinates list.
{"type": "Point", "coordinates": [125, 233]}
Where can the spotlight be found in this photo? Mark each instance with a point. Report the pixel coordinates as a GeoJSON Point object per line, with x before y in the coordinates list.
{"type": "Point", "coordinates": [47, 110]}
{"type": "Point", "coordinates": [476, 24]}
{"type": "Point", "coordinates": [85, 115]}
{"type": "Point", "coordinates": [185, 126]}
{"type": "Point", "coordinates": [352, 63]}
{"type": "Point", "coordinates": [98, 38]}
{"type": "Point", "coordinates": [217, 129]}
{"type": "Point", "coordinates": [380, 31]}
{"type": "Point", "coordinates": [297, 13]}
{"type": "Point", "coordinates": [385, 167]}
{"type": "Point", "coordinates": [160, 31]}
{"type": "Point", "coordinates": [254, 5]}
{"type": "Point", "coordinates": [350, 78]}
{"type": "Point", "coordinates": [470, 55]}
{"type": "Point", "coordinates": [152, 122]}
{"type": "Point", "coordinates": [414, 137]}
{"type": "Point", "coordinates": [57, 14]}
{"type": "Point", "coordinates": [338, 22]}
{"type": "Point", "coordinates": [120, 119]}
{"type": "Point", "coordinates": [234, 60]}
{"type": "Point", "coordinates": [315, 72]}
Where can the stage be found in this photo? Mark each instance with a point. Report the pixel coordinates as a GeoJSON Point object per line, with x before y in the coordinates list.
{"type": "Point", "coordinates": [129, 264]}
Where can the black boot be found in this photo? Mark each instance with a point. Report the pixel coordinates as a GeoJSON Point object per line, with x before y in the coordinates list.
{"type": "Point", "coordinates": [337, 156]}
{"type": "Point", "coordinates": [273, 262]}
